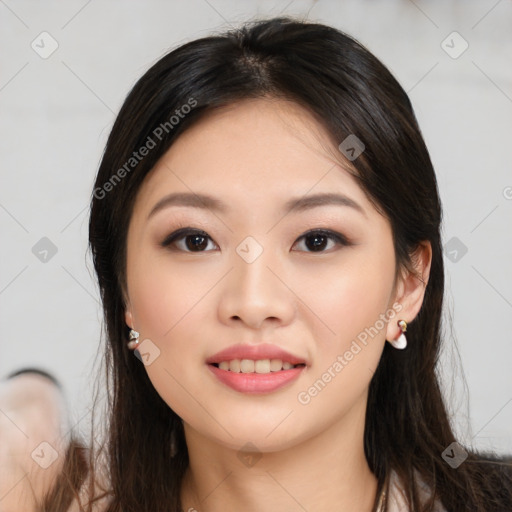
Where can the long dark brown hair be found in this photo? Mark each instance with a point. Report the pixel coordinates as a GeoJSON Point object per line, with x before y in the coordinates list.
{"type": "Point", "coordinates": [351, 92]}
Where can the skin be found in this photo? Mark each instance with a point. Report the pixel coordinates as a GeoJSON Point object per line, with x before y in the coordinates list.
{"type": "Point", "coordinates": [254, 156]}
{"type": "Point", "coordinates": [33, 412]}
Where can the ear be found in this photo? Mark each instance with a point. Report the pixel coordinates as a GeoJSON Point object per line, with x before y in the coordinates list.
{"type": "Point", "coordinates": [410, 288]}
{"type": "Point", "coordinates": [128, 317]}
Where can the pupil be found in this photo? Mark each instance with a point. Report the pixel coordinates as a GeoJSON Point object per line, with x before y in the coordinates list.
{"type": "Point", "coordinates": [316, 244]}
{"type": "Point", "coordinates": [194, 246]}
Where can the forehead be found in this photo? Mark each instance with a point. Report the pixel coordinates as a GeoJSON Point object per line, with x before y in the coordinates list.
{"type": "Point", "coordinates": [253, 151]}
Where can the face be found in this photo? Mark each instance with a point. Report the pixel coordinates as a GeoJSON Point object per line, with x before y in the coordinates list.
{"type": "Point", "coordinates": [312, 286]}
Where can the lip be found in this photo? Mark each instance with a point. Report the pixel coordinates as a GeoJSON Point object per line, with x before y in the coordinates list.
{"type": "Point", "coordinates": [255, 383]}
{"type": "Point", "coordinates": [255, 352]}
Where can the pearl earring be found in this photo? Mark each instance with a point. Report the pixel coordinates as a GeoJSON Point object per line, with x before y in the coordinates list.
{"type": "Point", "coordinates": [134, 339]}
{"type": "Point", "coordinates": [401, 342]}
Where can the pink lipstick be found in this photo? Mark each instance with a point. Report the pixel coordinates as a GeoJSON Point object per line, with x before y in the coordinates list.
{"type": "Point", "coordinates": [255, 369]}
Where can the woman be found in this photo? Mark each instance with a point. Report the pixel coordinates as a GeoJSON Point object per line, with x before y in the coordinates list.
{"type": "Point", "coordinates": [265, 227]}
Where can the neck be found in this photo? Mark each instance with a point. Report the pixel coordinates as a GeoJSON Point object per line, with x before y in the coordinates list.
{"type": "Point", "coordinates": [327, 472]}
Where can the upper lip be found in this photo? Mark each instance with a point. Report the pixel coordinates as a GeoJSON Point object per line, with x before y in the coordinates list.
{"type": "Point", "coordinates": [255, 353]}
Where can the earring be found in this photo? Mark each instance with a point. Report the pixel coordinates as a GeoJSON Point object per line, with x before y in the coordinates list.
{"type": "Point", "coordinates": [134, 339]}
{"type": "Point", "coordinates": [401, 342]}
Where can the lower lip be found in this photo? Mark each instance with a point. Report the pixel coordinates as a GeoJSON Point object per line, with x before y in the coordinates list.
{"type": "Point", "coordinates": [256, 383]}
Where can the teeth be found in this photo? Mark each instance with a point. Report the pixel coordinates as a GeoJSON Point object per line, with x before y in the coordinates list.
{"type": "Point", "coordinates": [247, 366]}
{"type": "Point", "coordinates": [258, 366]}
{"type": "Point", "coordinates": [276, 365]}
{"type": "Point", "coordinates": [262, 366]}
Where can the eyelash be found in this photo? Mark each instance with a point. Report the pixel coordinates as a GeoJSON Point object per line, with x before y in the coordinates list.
{"type": "Point", "coordinates": [184, 232]}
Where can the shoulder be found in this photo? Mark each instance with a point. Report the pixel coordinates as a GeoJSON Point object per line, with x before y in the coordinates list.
{"type": "Point", "coordinates": [97, 498]}
{"type": "Point", "coordinates": [97, 507]}
{"type": "Point", "coordinates": [493, 477]}
{"type": "Point", "coordinates": [96, 494]}
{"type": "Point", "coordinates": [100, 504]}
{"type": "Point", "coordinates": [490, 477]}
{"type": "Point", "coordinates": [397, 501]}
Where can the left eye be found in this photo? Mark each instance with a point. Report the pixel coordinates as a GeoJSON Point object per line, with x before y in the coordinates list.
{"type": "Point", "coordinates": [197, 240]}
{"type": "Point", "coordinates": [194, 236]}
{"type": "Point", "coordinates": [318, 238]}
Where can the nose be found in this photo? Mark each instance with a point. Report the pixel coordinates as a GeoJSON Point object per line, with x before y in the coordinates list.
{"type": "Point", "coordinates": [257, 293]}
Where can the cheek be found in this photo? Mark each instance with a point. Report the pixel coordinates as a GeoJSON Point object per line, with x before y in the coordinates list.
{"type": "Point", "coordinates": [171, 308]}
{"type": "Point", "coordinates": [163, 296]}
{"type": "Point", "coordinates": [350, 301]}
{"type": "Point", "coordinates": [167, 307]}
{"type": "Point", "coordinates": [347, 299]}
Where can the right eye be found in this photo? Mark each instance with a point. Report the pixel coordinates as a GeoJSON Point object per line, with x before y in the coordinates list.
{"type": "Point", "coordinates": [195, 240]}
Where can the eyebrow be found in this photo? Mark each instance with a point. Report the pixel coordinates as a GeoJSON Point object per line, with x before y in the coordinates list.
{"type": "Point", "coordinates": [207, 202]}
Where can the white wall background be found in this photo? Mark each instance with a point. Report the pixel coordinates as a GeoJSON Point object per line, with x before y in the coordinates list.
{"type": "Point", "coordinates": [56, 112]}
